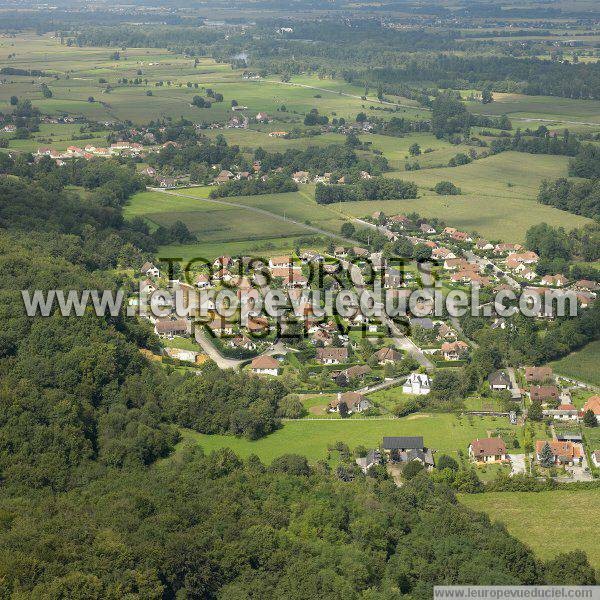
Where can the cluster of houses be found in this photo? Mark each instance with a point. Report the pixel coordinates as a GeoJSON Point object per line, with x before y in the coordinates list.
{"type": "Point", "coordinates": [565, 452]}
{"type": "Point", "coordinates": [398, 450]}
{"type": "Point", "coordinates": [302, 177]}
{"type": "Point", "coordinates": [556, 402]}
{"type": "Point", "coordinates": [401, 450]}
{"type": "Point", "coordinates": [90, 151]}
{"type": "Point", "coordinates": [468, 259]}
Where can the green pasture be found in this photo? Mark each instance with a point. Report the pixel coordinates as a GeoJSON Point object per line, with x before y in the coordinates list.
{"type": "Point", "coordinates": [298, 206]}
{"type": "Point", "coordinates": [446, 433]}
{"type": "Point", "coordinates": [266, 246]}
{"type": "Point", "coordinates": [79, 70]}
{"type": "Point", "coordinates": [57, 136]}
{"type": "Point", "coordinates": [498, 196]}
{"type": "Point", "coordinates": [549, 522]}
{"type": "Point", "coordinates": [223, 229]}
{"type": "Point", "coordinates": [533, 111]}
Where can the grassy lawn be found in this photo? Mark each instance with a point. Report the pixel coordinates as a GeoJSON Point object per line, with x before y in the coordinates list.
{"type": "Point", "coordinates": [446, 433]}
{"type": "Point", "coordinates": [183, 343]}
{"type": "Point", "coordinates": [389, 398]}
{"type": "Point", "coordinates": [548, 522]}
{"type": "Point", "coordinates": [582, 365]}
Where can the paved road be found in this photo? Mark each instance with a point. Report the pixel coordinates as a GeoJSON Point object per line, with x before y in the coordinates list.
{"type": "Point", "coordinates": [212, 352]}
{"type": "Point", "coordinates": [405, 343]}
{"type": "Point", "coordinates": [401, 341]}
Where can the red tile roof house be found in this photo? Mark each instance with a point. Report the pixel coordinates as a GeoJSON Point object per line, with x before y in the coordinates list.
{"type": "Point", "coordinates": [544, 393]}
{"type": "Point", "coordinates": [461, 236]}
{"type": "Point", "coordinates": [586, 285]}
{"type": "Point", "coordinates": [280, 262]}
{"type": "Point", "coordinates": [243, 342]}
{"type": "Point", "coordinates": [454, 350]}
{"type": "Point", "coordinates": [554, 280]}
{"type": "Point", "coordinates": [332, 356]}
{"type": "Point", "coordinates": [295, 280]}
{"type": "Point", "coordinates": [506, 248]}
{"type": "Point", "coordinates": [538, 374]}
{"type": "Point", "coordinates": [563, 452]}
{"type": "Point", "coordinates": [223, 262]}
{"type": "Point", "coordinates": [265, 365]}
{"type": "Point", "coordinates": [353, 400]}
{"type": "Point", "coordinates": [147, 286]}
{"type": "Point", "coordinates": [593, 404]}
{"type": "Point", "coordinates": [301, 176]}
{"type": "Point", "coordinates": [442, 253]}
{"type": "Point", "coordinates": [528, 258]}
{"type": "Point", "coordinates": [488, 450]}
{"type": "Point", "coordinates": [400, 220]}
{"type": "Point", "coordinates": [387, 355]}
{"type": "Point", "coordinates": [456, 264]}
{"type": "Point", "coordinates": [202, 281]}
{"type": "Point", "coordinates": [220, 327]}
{"type": "Point", "coordinates": [150, 270]}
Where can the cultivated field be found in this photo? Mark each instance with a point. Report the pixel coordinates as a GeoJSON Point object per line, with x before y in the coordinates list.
{"type": "Point", "coordinates": [549, 522]}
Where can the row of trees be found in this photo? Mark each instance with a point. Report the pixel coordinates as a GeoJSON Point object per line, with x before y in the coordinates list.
{"type": "Point", "coordinates": [320, 159]}
{"type": "Point", "coordinates": [275, 184]}
{"type": "Point", "coordinates": [377, 188]}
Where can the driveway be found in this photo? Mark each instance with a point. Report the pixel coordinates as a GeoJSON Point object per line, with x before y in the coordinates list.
{"type": "Point", "coordinates": [517, 462]}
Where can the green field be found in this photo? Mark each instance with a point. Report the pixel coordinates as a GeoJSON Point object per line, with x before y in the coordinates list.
{"type": "Point", "coordinates": [234, 230]}
{"type": "Point", "coordinates": [298, 206]}
{"type": "Point", "coordinates": [548, 522]}
{"type": "Point", "coordinates": [85, 66]}
{"type": "Point", "coordinates": [488, 204]}
{"type": "Point", "coordinates": [582, 365]}
{"type": "Point", "coordinates": [533, 111]}
{"type": "Point", "coordinates": [446, 433]}
{"type": "Point", "coordinates": [211, 250]}
{"type": "Point", "coordinates": [210, 222]}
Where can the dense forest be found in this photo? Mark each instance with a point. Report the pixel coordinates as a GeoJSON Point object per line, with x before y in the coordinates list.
{"type": "Point", "coordinates": [366, 189]}
{"type": "Point", "coordinates": [501, 73]}
{"type": "Point", "coordinates": [579, 197]}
